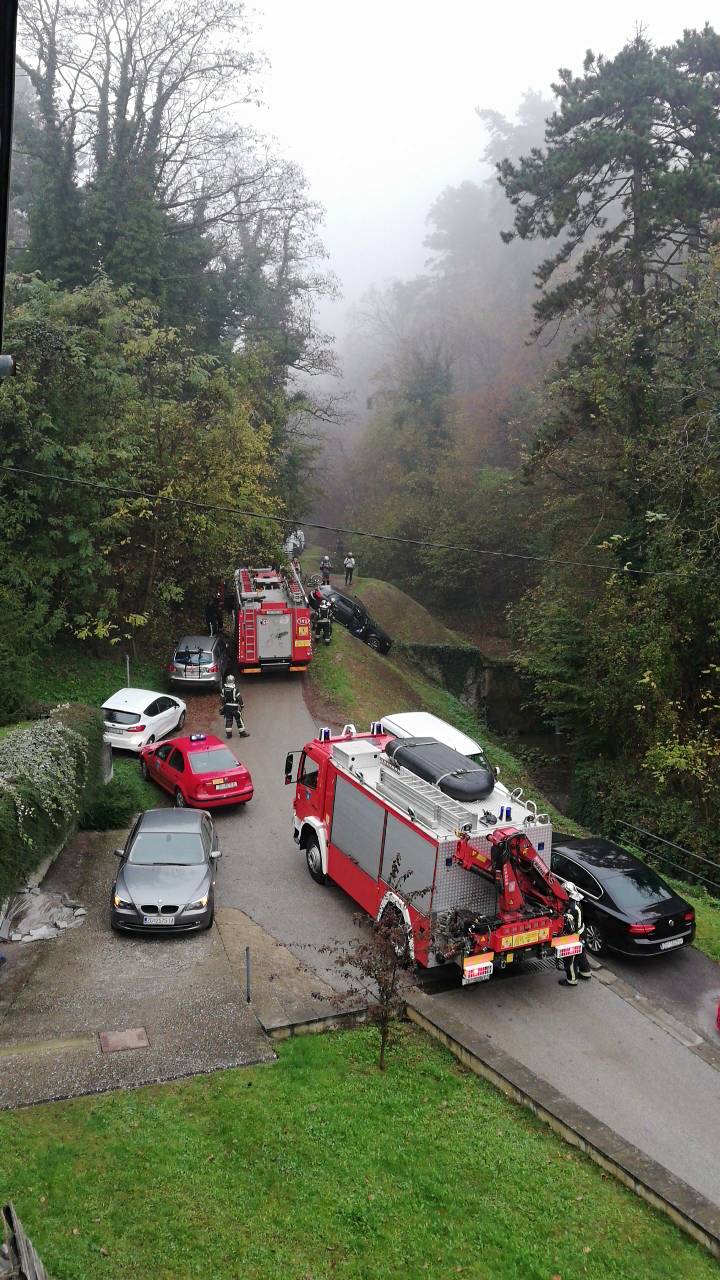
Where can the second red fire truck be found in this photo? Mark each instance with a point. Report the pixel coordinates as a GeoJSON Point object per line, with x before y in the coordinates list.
{"type": "Point", "coordinates": [272, 620]}
{"type": "Point", "coordinates": [474, 883]}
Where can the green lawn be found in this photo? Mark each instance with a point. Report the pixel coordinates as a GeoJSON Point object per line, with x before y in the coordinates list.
{"type": "Point", "coordinates": [320, 1166]}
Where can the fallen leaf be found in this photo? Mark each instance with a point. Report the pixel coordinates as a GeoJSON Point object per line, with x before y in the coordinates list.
{"type": "Point", "coordinates": [105, 1252]}
{"type": "Point", "coordinates": [586, 1248]}
{"type": "Point", "coordinates": [209, 1159]}
{"type": "Point", "coordinates": [76, 1231]}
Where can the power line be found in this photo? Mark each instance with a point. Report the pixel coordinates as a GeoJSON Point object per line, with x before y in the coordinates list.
{"type": "Point", "coordinates": [294, 522]}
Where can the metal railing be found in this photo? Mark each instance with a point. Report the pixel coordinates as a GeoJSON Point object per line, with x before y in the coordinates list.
{"type": "Point", "coordinates": [686, 869]}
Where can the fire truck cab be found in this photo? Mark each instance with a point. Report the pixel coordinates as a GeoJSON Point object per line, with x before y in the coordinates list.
{"type": "Point", "coordinates": [272, 620]}
{"type": "Point", "coordinates": [413, 827]}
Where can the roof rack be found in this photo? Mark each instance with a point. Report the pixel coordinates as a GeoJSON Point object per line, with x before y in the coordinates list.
{"type": "Point", "coordinates": [426, 803]}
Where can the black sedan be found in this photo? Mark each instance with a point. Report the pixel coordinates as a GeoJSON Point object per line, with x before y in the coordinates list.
{"type": "Point", "coordinates": [166, 878]}
{"type": "Point", "coordinates": [353, 615]}
{"type": "Point", "coordinates": [627, 907]}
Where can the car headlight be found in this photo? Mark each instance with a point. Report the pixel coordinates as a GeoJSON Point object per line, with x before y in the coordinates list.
{"type": "Point", "coordinates": [120, 902]}
{"type": "Point", "coordinates": [200, 903]}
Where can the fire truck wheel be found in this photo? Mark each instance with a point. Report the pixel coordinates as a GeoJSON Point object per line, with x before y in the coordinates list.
{"type": "Point", "coordinates": [313, 857]}
{"type": "Point", "coordinates": [594, 939]}
{"type": "Point", "coordinates": [393, 920]}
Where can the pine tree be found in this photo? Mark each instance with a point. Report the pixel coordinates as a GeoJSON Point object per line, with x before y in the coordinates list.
{"type": "Point", "coordinates": [629, 176]}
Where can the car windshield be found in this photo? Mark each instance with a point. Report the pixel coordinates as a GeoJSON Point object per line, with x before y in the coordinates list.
{"type": "Point", "coordinates": [636, 889]}
{"type": "Point", "coordinates": [167, 848]}
{"type": "Point", "coordinates": [479, 759]}
{"type": "Point", "coordinates": [214, 760]}
{"type": "Point", "coordinates": [120, 717]}
{"type": "Point", "coordinates": [193, 657]}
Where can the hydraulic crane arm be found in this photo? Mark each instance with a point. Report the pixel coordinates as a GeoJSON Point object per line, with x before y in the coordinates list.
{"type": "Point", "coordinates": [518, 871]}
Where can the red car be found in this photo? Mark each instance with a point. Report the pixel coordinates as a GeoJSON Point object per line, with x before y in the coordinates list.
{"type": "Point", "coordinates": [198, 771]}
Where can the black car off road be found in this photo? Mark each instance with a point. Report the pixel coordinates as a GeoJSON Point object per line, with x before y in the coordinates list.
{"type": "Point", "coordinates": [352, 614]}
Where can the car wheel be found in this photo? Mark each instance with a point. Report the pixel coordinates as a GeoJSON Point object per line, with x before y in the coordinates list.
{"type": "Point", "coordinates": [180, 801]}
{"type": "Point", "coordinates": [313, 857]}
{"type": "Point", "coordinates": [144, 770]}
{"type": "Point", "coordinates": [372, 642]}
{"type": "Point", "coordinates": [594, 939]}
{"type": "Point", "coordinates": [181, 721]}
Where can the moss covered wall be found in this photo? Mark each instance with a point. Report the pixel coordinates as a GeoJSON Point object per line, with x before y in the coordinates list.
{"type": "Point", "coordinates": [490, 687]}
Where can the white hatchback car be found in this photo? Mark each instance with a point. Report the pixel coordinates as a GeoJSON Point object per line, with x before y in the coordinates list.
{"type": "Point", "coordinates": [134, 717]}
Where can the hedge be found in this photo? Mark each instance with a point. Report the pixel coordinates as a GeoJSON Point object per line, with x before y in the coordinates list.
{"type": "Point", "coordinates": [49, 773]}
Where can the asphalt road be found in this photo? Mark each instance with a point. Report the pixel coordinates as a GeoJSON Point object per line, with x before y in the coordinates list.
{"type": "Point", "coordinates": [686, 983]}
{"type": "Point", "coordinates": [595, 1047]}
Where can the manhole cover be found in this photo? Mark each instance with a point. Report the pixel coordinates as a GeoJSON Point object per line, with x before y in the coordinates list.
{"type": "Point", "coordinates": [114, 1041]}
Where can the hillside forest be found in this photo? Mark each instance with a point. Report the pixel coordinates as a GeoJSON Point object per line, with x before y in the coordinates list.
{"type": "Point", "coordinates": [542, 402]}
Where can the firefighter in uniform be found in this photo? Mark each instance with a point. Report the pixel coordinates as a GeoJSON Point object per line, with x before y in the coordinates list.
{"type": "Point", "coordinates": [577, 966]}
{"type": "Point", "coordinates": [231, 706]}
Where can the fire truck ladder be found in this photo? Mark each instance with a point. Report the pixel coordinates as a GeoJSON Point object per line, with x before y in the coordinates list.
{"type": "Point", "coordinates": [425, 802]}
{"type": "Point", "coordinates": [249, 632]}
{"type": "Point", "coordinates": [295, 587]}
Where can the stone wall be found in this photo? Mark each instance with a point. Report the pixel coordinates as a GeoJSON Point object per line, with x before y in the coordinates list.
{"type": "Point", "coordinates": [490, 687]}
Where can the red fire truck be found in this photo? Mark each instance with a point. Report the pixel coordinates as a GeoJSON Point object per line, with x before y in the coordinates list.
{"type": "Point", "coordinates": [272, 620]}
{"type": "Point", "coordinates": [475, 888]}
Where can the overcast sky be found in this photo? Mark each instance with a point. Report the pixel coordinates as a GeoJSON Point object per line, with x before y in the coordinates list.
{"type": "Point", "coordinates": [376, 100]}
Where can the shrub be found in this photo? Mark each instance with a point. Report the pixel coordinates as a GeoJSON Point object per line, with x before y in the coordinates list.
{"type": "Point", "coordinates": [115, 805]}
{"type": "Point", "coordinates": [47, 771]}
{"type": "Point", "coordinates": [23, 630]}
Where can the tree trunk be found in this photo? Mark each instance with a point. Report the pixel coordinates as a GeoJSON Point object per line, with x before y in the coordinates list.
{"type": "Point", "coordinates": [384, 1029]}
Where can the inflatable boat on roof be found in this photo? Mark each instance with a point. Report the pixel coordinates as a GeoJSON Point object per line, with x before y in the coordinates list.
{"type": "Point", "coordinates": [452, 773]}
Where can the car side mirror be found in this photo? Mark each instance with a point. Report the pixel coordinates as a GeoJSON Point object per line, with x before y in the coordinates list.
{"type": "Point", "coordinates": [215, 853]}
{"type": "Point", "coordinates": [289, 768]}
{"type": "Point", "coordinates": [119, 853]}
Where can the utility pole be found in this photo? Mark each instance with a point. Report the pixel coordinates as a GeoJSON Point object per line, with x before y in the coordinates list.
{"type": "Point", "coordinates": [8, 40]}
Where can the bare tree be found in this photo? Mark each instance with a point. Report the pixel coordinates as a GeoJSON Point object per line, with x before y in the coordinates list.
{"type": "Point", "coordinates": [377, 966]}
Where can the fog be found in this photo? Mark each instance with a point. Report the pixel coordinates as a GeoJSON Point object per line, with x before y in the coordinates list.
{"type": "Point", "coordinates": [377, 103]}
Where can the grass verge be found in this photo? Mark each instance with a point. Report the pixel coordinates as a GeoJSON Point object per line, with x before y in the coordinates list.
{"type": "Point", "coordinates": [707, 916]}
{"type": "Point", "coordinates": [403, 618]}
{"type": "Point", "coordinates": [321, 1166]}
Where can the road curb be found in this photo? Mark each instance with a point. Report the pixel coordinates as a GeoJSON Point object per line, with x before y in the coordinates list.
{"type": "Point", "coordinates": [685, 1207]}
{"type": "Point", "coordinates": [300, 1023]}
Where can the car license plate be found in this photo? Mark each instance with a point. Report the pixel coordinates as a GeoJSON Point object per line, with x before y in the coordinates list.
{"type": "Point", "coordinates": [224, 786]}
{"type": "Point", "coordinates": [672, 942]}
{"type": "Point", "coordinates": [158, 919]}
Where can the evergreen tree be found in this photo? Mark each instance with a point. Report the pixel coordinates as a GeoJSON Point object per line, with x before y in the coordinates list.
{"type": "Point", "coordinates": [629, 177]}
